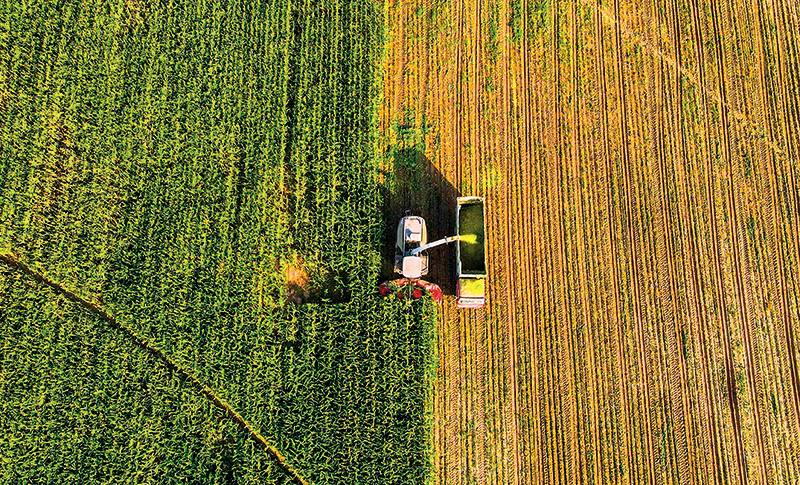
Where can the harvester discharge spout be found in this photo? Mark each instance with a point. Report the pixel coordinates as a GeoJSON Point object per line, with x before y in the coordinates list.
{"type": "Point", "coordinates": [446, 240]}
{"type": "Point", "coordinates": [411, 256]}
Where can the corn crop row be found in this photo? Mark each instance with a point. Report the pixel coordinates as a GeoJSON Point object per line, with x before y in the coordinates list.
{"type": "Point", "coordinates": [167, 161]}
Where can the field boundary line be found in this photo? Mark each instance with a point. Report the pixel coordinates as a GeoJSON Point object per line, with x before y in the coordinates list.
{"type": "Point", "coordinates": [207, 392]}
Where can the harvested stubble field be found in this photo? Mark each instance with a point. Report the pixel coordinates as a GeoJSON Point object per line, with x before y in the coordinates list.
{"type": "Point", "coordinates": [640, 164]}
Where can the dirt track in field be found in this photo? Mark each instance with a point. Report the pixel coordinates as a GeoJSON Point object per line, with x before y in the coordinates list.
{"type": "Point", "coordinates": [640, 165]}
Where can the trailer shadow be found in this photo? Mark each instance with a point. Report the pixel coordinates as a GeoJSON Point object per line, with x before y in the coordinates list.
{"type": "Point", "coordinates": [411, 182]}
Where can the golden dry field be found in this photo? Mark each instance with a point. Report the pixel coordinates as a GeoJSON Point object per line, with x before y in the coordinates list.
{"type": "Point", "coordinates": [639, 161]}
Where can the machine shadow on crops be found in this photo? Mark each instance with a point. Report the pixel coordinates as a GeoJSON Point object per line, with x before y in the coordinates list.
{"type": "Point", "coordinates": [412, 183]}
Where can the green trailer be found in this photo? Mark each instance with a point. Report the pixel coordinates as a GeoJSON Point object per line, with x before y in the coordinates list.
{"type": "Point", "coordinates": [471, 257]}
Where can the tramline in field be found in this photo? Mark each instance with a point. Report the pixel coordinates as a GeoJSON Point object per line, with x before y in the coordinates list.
{"type": "Point", "coordinates": [411, 256]}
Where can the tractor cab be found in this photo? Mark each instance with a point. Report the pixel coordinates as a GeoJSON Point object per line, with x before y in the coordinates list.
{"type": "Point", "coordinates": [411, 234]}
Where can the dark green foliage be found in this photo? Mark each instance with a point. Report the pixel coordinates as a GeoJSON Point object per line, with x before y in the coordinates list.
{"type": "Point", "coordinates": [167, 160]}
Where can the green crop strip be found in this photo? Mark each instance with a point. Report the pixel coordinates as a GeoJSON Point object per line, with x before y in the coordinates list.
{"type": "Point", "coordinates": [163, 359]}
{"type": "Point", "coordinates": [173, 162]}
{"type": "Point", "coordinates": [82, 405]}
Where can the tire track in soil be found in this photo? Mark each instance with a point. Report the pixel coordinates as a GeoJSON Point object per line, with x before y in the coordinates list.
{"type": "Point", "coordinates": [511, 413]}
{"type": "Point", "coordinates": [479, 317]}
{"type": "Point", "coordinates": [777, 252]}
{"type": "Point", "coordinates": [463, 441]}
{"type": "Point", "coordinates": [498, 323]}
{"type": "Point", "coordinates": [468, 383]}
{"type": "Point", "coordinates": [455, 407]}
{"type": "Point", "coordinates": [689, 459]}
{"type": "Point", "coordinates": [515, 289]}
{"type": "Point", "coordinates": [608, 240]}
{"type": "Point", "coordinates": [509, 157]}
{"type": "Point", "coordinates": [591, 436]}
{"type": "Point", "coordinates": [622, 376]}
{"type": "Point", "coordinates": [744, 298]}
{"type": "Point", "coordinates": [750, 174]}
{"type": "Point", "coordinates": [476, 101]}
{"type": "Point", "coordinates": [761, 256]}
{"type": "Point", "coordinates": [534, 282]}
{"type": "Point", "coordinates": [511, 152]}
{"type": "Point", "coordinates": [472, 187]}
{"type": "Point", "coordinates": [597, 453]}
{"type": "Point", "coordinates": [631, 257]}
{"type": "Point", "coordinates": [466, 404]}
{"type": "Point", "coordinates": [718, 277]}
{"type": "Point", "coordinates": [583, 441]}
{"type": "Point", "coordinates": [458, 448]}
{"type": "Point", "coordinates": [515, 284]}
{"type": "Point", "coordinates": [695, 274]}
{"type": "Point", "coordinates": [459, 81]}
{"type": "Point", "coordinates": [565, 374]}
{"type": "Point", "coordinates": [782, 85]}
{"type": "Point", "coordinates": [546, 461]}
{"type": "Point", "coordinates": [453, 376]}
{"type": "Point", "coordinates": [551, 426]}
{"type": "Point", "coordinates": [535, 279]}
{"type": "Point", "coordinates": [594, 322]}
{"type": "Point", "coordinates": [668, 291]}
{"type": "Point", "coordinates": [567, 169]}
{"type": "Point", "coordinates": [700, 330]}
{"type": "Point", "coordinates": [526, 153]}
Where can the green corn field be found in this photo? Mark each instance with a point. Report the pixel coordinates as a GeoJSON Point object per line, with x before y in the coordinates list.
{"type": "Point", "coordinates": [167, 162]}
